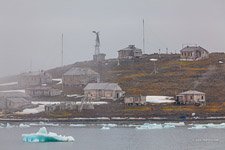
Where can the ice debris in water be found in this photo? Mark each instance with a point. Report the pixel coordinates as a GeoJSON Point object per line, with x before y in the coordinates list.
{"type": "Point", "coordinates": [109, 125]}
{"type": "Point", "coordinates": [154, 126]}
{"type": "Point", "coordinates": [209, 125]}
{"type": "Point", "coordinates": [77, 125]}
{"type": "Point", "coordinates": [24, 125]}
{"type": "Point", "coordinates": [43, 136]}
{"type": "Point", "coordinates": [9, 125]}
{"type": "Point", "coordinates": [175, 123]}
{"type": "Point", "coordinates": [105, 128]}
{"type": "Point", "coordinates": [44, 124]}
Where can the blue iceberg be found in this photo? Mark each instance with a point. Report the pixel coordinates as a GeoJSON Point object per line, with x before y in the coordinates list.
{"type": "Point", "coordinates": [43, 136]}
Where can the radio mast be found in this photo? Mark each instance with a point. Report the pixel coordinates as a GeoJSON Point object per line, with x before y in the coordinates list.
{"type": "Point", "coordinates": [62, 52]}
{"type": "Point", "coordinates": [143, 36]}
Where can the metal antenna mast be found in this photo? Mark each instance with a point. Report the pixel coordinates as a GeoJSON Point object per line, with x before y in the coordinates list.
{"type": "Point", "coordinates": [143, 36]}
{"type": "Point", "coordinates": [62, 52]}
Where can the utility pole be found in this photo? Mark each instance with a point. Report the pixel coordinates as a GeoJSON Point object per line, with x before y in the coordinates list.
{"type": "Point", "coordinates": [62, 52]}
{"type": "Point", "coordinates": [143, 36]}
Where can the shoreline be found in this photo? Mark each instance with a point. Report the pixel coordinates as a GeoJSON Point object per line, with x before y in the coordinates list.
{"type": "Point", "coordinates": [115, 120]}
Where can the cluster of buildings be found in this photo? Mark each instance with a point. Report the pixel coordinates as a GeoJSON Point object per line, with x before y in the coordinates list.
{"type": "Point", "coordinates": [39, 84]}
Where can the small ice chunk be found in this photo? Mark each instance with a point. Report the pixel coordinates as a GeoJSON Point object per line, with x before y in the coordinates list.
{"type": "Point", "coordinates": [175, 123]}
{"type": "Point", "coordinates": [77, 125]}
{"type": "Point", "coordinates": [24, 125]}
{"type": "Point", "coordinates": [105, 128]}
{"type": "Point", "coordinates": [109, 125]}
{"type": "Point", "coordinates": [150, 126]}
{"type": "Point", "coordinates": [43, 136]}
{"type": "Point", "coordinates": [9, 125]}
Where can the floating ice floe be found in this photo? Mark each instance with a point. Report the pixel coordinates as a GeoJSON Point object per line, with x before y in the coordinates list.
{"type": "Point", "coordinates": [154, 126]}
{"type": "Point", "coordinates": [43, 136]}
{"type": "Point", "coordinates": [175, 123]}
{"type": "Point", "coordinates": [109, 125]}
{"type": "Point", "coordinates": [209, 125]}
{"type": "Point", "coordinates": [24, 125]}
{"type": "Point", "coordinates": [105, 128]}
{"type": "Point", "coordinates": [77, 125]}
{"type": "Point", "coordinates": [9, 125]}
{"type": "Point", "coordinates": [44, 124]}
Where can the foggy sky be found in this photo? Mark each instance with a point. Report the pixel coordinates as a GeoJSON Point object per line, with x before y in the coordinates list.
{"type": "Point", "coordinates": [30, 30]}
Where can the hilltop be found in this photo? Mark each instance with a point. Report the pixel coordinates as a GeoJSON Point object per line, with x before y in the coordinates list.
{"type": "Point", "coordinates": [174, 76]}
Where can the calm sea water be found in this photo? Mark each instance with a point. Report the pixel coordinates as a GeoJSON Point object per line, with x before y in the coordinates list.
{"type": "Point", "coordinates": [118, 138]}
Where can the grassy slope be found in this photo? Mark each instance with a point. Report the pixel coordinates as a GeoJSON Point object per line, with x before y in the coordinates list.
{"type": "Point", "coordinates": [135, 77]}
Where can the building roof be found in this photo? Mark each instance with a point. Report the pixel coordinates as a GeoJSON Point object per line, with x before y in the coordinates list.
{"type": "Point", "coordinates": [34, 73]}
{"type": "Point", "coordinates": [81, 71]}
{"type": "Point", "coordinates": [191, 92]}
{"type": "Point", "coordinates": [130, 48]}
{"type": "Point", "coordinates": [193, 48]}
{"type": "Point", "coordinates": [103, 86]}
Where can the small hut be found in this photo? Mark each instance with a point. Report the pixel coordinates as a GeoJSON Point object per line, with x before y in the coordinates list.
{"type": "Point", "coordinates": [191, 97]}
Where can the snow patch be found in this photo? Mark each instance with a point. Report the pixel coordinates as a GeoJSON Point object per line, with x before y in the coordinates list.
{"type": "Point", "coordinates": [10, 83]}
{"type": "Point", "coordinates": [159, 99]}
{"type": "Point", "coordinates": [22, 91]}
{"type": "Point", "coordinates": [59, 80]}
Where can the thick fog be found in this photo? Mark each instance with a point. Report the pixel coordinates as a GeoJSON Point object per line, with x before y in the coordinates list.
{"type": "Point", "coordinates": [30, 30]}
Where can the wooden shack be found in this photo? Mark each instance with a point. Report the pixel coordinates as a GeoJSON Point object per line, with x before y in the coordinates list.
{"type": "Point", "coordinates": [129, 52]}
{"type": "Point", "coordinates": [191, 97]}
{"type": "Point", "coordinates": [97, 91]}
{"type": "Point", "coordinates": [42, 91]}
{"type": "Point", "coordinates": [31, 79]}
{"type": "Point", "coordinates": [193, 53]}
{"type": "Point", "coordinates": [14, 101]}
{"type": "Point", "coordinates": [80, 77]}
{"type": "Point", "coordinates": [135, 100]}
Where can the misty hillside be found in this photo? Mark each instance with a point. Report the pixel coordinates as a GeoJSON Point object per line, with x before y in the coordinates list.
{"type": "Point", "coordinates": [136, 78]}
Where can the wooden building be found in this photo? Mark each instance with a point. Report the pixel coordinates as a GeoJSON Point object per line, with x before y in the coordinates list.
{"type": "Point", "coordinates": [98, 91]}
{"type": "Point", "coordinates": [80, 77]}
{"type": "Point", "coordinates": [135, 100]}
{"type": "Point", "coordinates": [191, 97]}
{"type": "Point", "coordinates": [40, 91]}
{"type": "Point", "coordinates": [129, 52]}
{"type": "Point", "coordinates": [31, 79]}
{"type": "Point", "coordinates": [193, 53]}
{"type": "Point", "coordinates": [99, 57]}
{"type": "Point", "coordinates": [14, 101]}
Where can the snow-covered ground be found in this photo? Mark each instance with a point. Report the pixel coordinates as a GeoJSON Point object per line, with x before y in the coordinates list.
{"type": "Point", "coordinates": [22, 91]}
{"type": "Point", "coordinates": [94, 103]}
{"type": "Point", "coordinates": [44, 103]}
{"type": "Point", "coordinates": [59, 80]}
{"type": "Point", "coordinates": [36, 110]}
{"type": "Point", "coordinates": [10, 83]}
{"type": "Point", "coordinates": [74, 95]}
{"type": "Point", "coordinates": [159, 99]}
{"type": "Point", "coordinates": [40, 108]}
